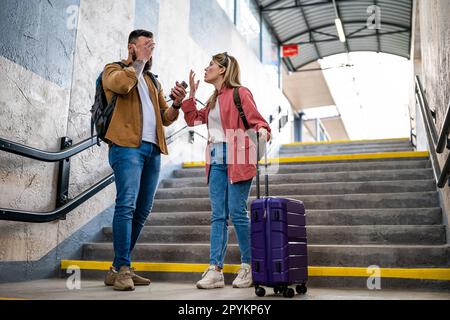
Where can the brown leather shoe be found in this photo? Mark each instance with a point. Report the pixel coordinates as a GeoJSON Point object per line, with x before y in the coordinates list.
{"type": "Point", "coordinates": [111, 276]}
{"type": "Point", "coordinates": [123, 280]}
{"type": "Point", "coordinates": [138, 280]}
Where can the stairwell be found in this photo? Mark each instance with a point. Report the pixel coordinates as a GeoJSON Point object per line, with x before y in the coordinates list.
{"type": "Point", "coordinates": [368, 203]}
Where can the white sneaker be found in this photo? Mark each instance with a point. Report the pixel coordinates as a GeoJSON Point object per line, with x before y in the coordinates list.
{"type": "Point", "coordinates": [211, 279]}
{"type": "Point", "coordinates": [244, 277]}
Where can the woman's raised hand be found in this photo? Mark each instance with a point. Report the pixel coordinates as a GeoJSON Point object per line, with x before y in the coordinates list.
{"type": "Point", "coordinates": [193, 85]}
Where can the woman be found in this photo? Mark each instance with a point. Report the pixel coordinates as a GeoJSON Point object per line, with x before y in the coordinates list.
{"type": "Point", "coordinates": [230, 163]}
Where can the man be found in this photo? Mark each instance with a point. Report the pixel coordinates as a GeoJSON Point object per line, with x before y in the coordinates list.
{"type": "Point", "coordinates": [137, 139]}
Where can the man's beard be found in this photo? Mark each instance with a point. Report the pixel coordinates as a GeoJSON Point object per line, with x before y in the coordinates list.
{"type": "Point", "coordinates": [148, 64]}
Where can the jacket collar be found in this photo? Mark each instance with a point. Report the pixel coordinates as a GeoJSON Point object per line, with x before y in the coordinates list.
{"type": "Point", "coordinates": [127, 61]}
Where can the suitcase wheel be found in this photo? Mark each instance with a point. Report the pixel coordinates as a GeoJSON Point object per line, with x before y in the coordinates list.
{"type": "Point", "coordinates": [301, 289]}
{"type": "Point", "coordinates": [289, 293]}
{"type": "Point", "coordinates": [277, 289]}
{"type": "Point", "coordinates": [260, 291]}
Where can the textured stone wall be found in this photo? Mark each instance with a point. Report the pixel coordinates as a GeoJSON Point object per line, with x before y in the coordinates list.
{"type": "Point", "coordinates": [434, 19]}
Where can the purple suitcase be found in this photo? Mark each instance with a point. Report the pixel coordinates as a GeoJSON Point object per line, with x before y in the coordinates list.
{"type": "Point", "coordinates": [279, 244]}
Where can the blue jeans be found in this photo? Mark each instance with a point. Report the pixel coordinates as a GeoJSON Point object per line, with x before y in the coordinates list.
{"type": "Point", "coordinates": [227, 200]}
{"type": "Point", "coordinates": [136, 171]}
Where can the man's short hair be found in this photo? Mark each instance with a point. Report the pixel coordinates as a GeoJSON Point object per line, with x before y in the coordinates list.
{"type": "Point", "coordinates": [134, 35]}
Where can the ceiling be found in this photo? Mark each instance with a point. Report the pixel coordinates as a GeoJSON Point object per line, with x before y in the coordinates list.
{"type": "Point", "coordinates": [310, 24]}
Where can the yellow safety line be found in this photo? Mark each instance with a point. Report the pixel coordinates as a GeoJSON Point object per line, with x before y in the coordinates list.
{"type": "Point", "coordinates": [403, 273]}
{"type": "Point", "coordinates": [341, 157]}
{"type": "Point", "coordinates": [146, 266]}
{"type": "Point", "coordinates": [340, 141]}
{"type": "Point", "coordinates": [12, 299]}
{"type": "Point", "coordinates": [442, 274]}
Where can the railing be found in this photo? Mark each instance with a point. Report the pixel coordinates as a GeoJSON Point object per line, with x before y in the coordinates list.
{"type": "Point", "coordinates": [437, 144]}
{"type": "Point", "coordinates": [444, 142]}
{"type": "Point", "coordinates": [63, 204]}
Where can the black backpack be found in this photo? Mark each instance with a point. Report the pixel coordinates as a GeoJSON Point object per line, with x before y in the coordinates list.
{"type": "Point", "coordinates": [101, 110]}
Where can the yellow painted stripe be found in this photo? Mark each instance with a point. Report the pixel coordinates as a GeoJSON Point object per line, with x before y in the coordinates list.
{"type": "Point", "coordinates": [402, 273]}
{"type": "Point", "coordinates": [12, 299]}
{"type": "Point", "coordinates": [340, 157]}
{"type": "Point", "coordinates": [442, 274]}
{"type": "Point", "coordinates": [341, 141]}
{"type": "Point", "coordinates": [146, 266]}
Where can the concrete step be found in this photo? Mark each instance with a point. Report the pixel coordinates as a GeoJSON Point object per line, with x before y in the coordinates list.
{"type": "Point", "coordinates": [385, 256]}
{"type": "Point", "coordinates": [352, 201]}
{"type": "Point", "coordinates": [398, 143]}
{"type": "Point", "coordinates": [286, 152]}
{"type": "Point", "coordinates": [295, 178]}
{"type": "Point", "coordinates": [351, 217]}
{"type": "Point", "coordinates": [312, 188]}
{"type": "Point", "coordinates": [324, 167]}
{"type": "Point", "coordinates": [384, 234]}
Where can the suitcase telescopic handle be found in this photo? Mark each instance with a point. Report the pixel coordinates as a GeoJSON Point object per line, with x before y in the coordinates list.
{"type": "Point", "coordinates": [266, 175]}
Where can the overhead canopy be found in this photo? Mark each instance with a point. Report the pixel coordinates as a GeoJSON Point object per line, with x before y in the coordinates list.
{"type": "Point", "coordinates": [311, 24]}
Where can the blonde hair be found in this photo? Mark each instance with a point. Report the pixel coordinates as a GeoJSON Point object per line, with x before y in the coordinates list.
{"type": "Point", "coordinates": [231, 77]}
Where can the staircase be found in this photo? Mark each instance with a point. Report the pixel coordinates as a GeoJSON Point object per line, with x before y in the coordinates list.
{"type": "Point", "coordinates": [368, 203]}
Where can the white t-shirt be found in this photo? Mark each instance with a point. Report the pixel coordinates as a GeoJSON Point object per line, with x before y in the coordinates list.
{"type": "Point", "coordinates": [216, 133]}
{"type": "Point", "coordinates": [148, 112]}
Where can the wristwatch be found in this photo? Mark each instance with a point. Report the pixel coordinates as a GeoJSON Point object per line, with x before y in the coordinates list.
{"type": "Point", "coordinates": [177, 107]}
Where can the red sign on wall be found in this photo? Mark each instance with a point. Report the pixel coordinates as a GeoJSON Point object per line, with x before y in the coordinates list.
{"type": "Point", "coordinates": [289, 50]}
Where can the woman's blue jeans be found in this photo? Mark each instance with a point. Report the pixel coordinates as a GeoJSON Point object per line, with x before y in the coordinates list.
{"type": "Point", "coordinates": [227, 200]}
{"type": "Point", "coordinates": [136, 172]}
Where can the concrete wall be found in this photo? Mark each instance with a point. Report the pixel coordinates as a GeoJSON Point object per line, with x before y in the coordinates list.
{"type": "Point", "coordinates": [434, 65]}
{"type": "Point", "coordinates": [51, 60]}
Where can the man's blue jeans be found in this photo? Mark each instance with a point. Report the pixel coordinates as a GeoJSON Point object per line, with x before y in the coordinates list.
{"type": "Point", "coordinates": [227, 200]}
{"type": "Point", "coordinates": [136, 171]}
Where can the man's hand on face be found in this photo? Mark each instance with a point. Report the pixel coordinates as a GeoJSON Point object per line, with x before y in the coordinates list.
{"type": "Point", "coordinates": [144, 49]}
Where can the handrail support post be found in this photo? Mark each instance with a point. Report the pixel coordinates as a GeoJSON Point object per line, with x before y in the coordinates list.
{"type": "Point", "coordinates": [62, 195]}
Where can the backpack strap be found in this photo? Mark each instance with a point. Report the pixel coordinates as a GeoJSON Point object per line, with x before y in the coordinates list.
{"type": "Point", "coordinates": [154, 80]}
{"type": "Point", "coordinates": [237, 102]}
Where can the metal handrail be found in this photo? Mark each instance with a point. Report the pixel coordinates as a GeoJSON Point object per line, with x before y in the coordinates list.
{"type": "Point", "coordinates": [435, 147]}
{"type": "Point", "coordinates": [46, 156]}
{"type": "Point", "coordinates": [426, 112]}
{"type": "Point", "coordinates": [444, 140]}
{"type": "Point", "coordinates": [57, 213]}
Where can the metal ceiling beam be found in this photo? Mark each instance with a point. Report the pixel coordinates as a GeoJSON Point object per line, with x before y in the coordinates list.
{"type": "Point", "coordinates": [326, 34]}
{"type": "Point", "coordinates": [357, 31]}
{"type": "Point", "coordinates": [354, 37]}
{"type": "Point", "coordinates": [269, 8]}
{"type": "Point", "coordinates": [285, 41]}
{"type": "Point", "coordinates": [269, 5]}
{"type": "Point", "coordinates": [287, 61]}
{"type": "Point", "coordinates": [309, 61]}
{"type": "Point", "coordinates": [311, 37]}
